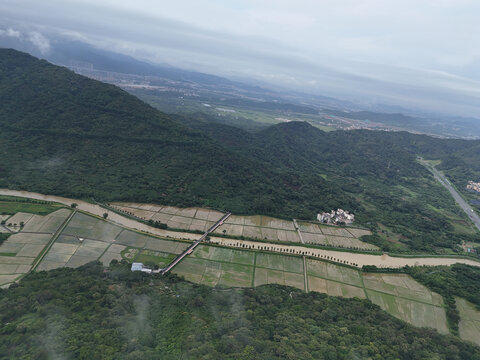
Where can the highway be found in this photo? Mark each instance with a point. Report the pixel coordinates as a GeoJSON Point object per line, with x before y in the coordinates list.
{"type": "Point", "coordinates": [462, 203]}
{"type": "Point", "coordinates": [190, 249]}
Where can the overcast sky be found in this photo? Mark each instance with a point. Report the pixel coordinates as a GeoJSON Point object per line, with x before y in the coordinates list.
{"type": "Point", "coordinates": [415, 53]}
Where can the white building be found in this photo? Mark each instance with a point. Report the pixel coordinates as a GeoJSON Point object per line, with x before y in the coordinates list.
{"type": "Point", "coordinates": [140, 267]}
{"type": "Point", "coordinates": [336, 217]}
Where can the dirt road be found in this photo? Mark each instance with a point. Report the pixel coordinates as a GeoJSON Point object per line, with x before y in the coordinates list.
{"type": "Point", "coordinates": [337, 256]}
{"type": "Point", "coordinates": [99, 211]}
{"type": "Point", "coordinates": [381, 261]}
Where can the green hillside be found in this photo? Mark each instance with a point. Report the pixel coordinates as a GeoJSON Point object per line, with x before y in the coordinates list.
{"type": "Point", "coordinates": [68, 135]}
{"type": "Point", "coordinates": [87, 313]}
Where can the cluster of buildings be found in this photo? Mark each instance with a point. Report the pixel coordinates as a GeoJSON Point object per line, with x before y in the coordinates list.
{"type": "Point", "coordinates": [475, 186]}
{"type": "Point", "coordinates": [338, 217]}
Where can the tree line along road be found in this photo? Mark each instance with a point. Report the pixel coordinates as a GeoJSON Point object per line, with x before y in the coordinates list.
{"type": "Point", "coordinates": [360, 259]}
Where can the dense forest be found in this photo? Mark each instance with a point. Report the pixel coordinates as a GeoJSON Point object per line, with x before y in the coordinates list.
{"type": "Point", "coordinates": [68, 135]}
{"type": "Point", "coordinates": [93, 313]}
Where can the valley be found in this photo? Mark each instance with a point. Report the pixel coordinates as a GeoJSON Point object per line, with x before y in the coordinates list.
{"type": "Point", "coordinates": [71, 237]}
{"type": "Point", "coordinates": [108, 180]}
{"type": "Point", "coordinates": [211, 180]}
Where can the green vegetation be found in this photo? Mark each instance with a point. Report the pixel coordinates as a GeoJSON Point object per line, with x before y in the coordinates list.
{"type": "Point", "coordinates": [13, 205]}
{"type": "Point", "coordinates": [74, 136]}
{"type": "Point", "coordinates": [69, 135]}
{"type": "Point", "coordinates": [87, 313]}
{"type": "Point", "coordinates": [155, 258]}
{"type": "Point", "coordinates": [3, 237]}
{"type": "Point", "coordinates": [451, 281]}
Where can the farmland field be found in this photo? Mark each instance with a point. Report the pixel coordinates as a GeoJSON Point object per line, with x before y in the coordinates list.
{"type": "Point", "coordinates": [398, 294]}
{"type": "Point", "coordinates": [268, 276]}
{"type": "Point", "coordinates": [406, 299]}
{"type": "Point", "coordinates": [224, 255]}
{"type": "Point", "coordinates": [469, 326]}
{"type": "Point", "coordinates": [403, 286]}
{"type": "Point", "coordinates": [90, 227]}
{"type": "Point", "coordinates": [334, 272]}
{"type": "Point", "coordinates": [86, 238]}
{"type": "Point", "coordinates": [257, 227]}
{"type": "Point", "coordinates": [49, 223]}
{"type": "Point", "coordinates": [280, 262]}
{"type": "Point", "coordinates": [414, 312]}
{"type": "Point", "coordinates": [318, 234]}
{"type": "Point", "coordinates": [174, 217]}
{"type": "Point", "coordinates": [113, 252]}
{"type": "Point", "coordinates": [215, 273]}
{"type": "Point", "coordinates": [18, 253]}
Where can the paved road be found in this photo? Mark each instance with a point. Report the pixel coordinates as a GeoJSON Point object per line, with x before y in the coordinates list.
{"type": "Point", "coordinates": [190, 249]}
{"type": "Point", "coordinates": [462, 203]}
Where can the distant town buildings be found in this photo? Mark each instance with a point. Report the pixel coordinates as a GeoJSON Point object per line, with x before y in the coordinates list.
{"type": "Point", "coordinates": [338, 217]}
{"type": "Point", "coordinates": [475, 186]}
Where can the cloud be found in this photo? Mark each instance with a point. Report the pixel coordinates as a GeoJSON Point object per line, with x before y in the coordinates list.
{"type": "Point", "coordinates": [10, 33]}
{"type": "Point", "coordinates": [40, 41]}
{"type": "Point", "coordinates": [409, 52]}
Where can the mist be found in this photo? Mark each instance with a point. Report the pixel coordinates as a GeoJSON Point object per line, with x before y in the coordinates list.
{"type": "Point", "coordinates": [415, 54]}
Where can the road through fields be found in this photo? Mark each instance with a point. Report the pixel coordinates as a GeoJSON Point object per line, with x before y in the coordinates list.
{"type": "Point", "coordinates": [336, 256]}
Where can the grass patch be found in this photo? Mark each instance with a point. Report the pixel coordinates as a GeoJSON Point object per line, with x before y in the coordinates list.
{"type": "Point", "coordinates": [13, 207]}
{"type": "Point", "coordinates": [155, 257]}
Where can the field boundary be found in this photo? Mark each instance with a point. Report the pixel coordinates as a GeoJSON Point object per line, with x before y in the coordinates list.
{"type": "Point", "coordinates": [52, 241]}
{"type": "Point", "coordinates": [254, 268]}
{"type": "Point", "coordinates": [305, 276]}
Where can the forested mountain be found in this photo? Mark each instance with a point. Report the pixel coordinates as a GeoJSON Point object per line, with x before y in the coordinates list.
{"type": "Point", "coordinates": [68, 135]}
{"type": "Point", "coordinates": [90, 313]}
